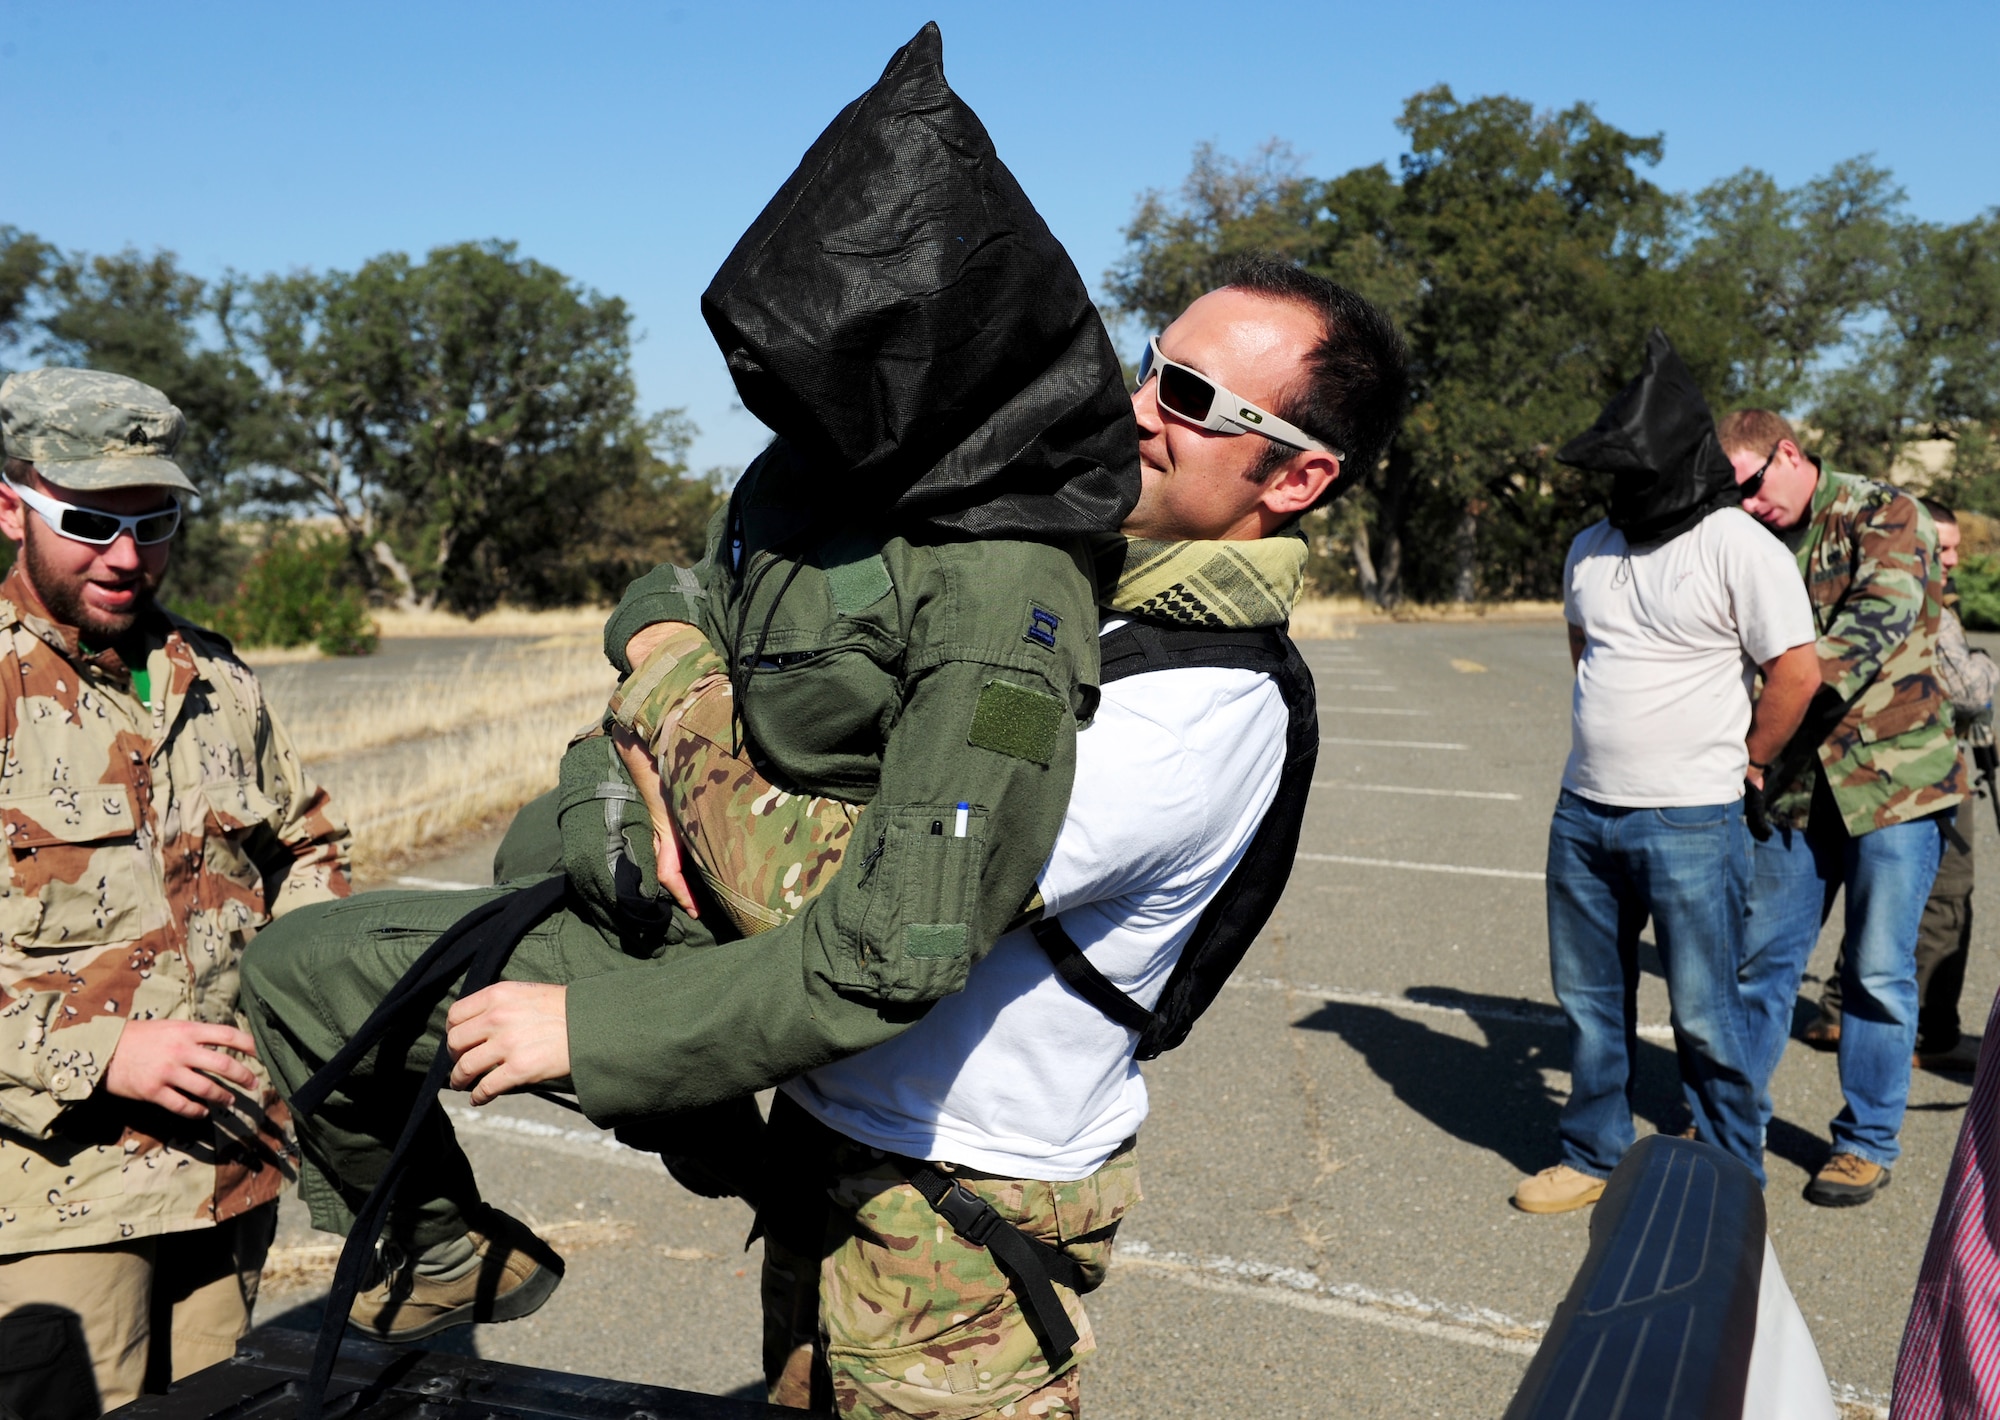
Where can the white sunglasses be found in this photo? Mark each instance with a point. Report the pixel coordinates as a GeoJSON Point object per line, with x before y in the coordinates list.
{"type": "Point", "coordinates": [94, 525]}
{"type": "Point", "coordinates": [1188, 394]}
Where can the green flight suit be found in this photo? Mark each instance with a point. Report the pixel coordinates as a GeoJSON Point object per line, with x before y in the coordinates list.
{"type": "Point", "coordinates": [909, 676]}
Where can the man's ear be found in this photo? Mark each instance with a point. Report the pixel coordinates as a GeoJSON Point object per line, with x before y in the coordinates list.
{"type": "Point", "coordinates": [1298, 483]}
{"type": "Point", "coordinates": [13, 516]}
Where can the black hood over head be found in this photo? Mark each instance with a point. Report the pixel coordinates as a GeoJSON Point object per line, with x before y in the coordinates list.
{"type": "Point", "coordinates": [1657, 441]}
{"type": "Point", "coordinates": [903, 318]}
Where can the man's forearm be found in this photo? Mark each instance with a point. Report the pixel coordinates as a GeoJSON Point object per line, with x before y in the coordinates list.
{"type": "Point", "coordinates": [1790, 681]}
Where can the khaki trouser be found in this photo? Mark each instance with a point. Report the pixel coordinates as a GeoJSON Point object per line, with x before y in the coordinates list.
{"type": "Point", "coordinates": [88, 1330]}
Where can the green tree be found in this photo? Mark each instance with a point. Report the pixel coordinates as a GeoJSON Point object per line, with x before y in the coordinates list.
{"type": "Point", "coordinates": [1930, 370]}
{"type": "Point", "coordinates": [1779, 278]}
{"type": "Point", "coordinates": [453, 415]}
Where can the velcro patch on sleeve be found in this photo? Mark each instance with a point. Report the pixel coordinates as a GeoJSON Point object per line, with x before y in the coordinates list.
{"type": "Point", "coordinates": [934, 939]}
{"type": "Point", "coordinates": [1013, 720]}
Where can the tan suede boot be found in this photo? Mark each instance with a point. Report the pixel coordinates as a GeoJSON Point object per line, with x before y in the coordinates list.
{"type": "Point", "coordinates": [1557, 1190]}
{"type": "Point", "coordinates": [513, 1274]}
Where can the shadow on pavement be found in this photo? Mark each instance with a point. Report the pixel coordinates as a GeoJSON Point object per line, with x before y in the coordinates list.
{"type": "Point", "coordinates": [1493, 1095]}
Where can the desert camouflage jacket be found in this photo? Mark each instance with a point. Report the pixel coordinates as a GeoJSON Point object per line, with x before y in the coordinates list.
{"type": "Point", "coordinates": [1869, 557]}
{"type": "Point", "coordinates": [144, 845]}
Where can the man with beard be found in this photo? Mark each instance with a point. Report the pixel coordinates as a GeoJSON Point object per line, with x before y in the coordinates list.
{"type": "Point", "coordinates": [155, 816]}
{"type": "Point", "coordinates": [1674, 603]}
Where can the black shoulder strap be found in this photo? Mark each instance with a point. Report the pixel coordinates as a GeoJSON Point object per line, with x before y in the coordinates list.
{"type": "Point", "coordinates": [1244, 903]}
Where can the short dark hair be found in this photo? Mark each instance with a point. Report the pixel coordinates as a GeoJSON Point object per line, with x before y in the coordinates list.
{"type": "Point", "coordinates": [1940, 511]}
{"type": "Point", "coordinates": [21, 471]}
{"type": "Point", "coordinates": [1357, 381]}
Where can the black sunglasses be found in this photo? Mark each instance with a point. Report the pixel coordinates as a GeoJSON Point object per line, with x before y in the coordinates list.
{"type": "Point", "coordinates": [1754, 484]}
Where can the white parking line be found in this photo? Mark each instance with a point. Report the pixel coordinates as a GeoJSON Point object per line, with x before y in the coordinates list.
{"type": "Point", "coordinates": [1303, 1291]}
{"type": "Point", "coordinates": [1406, 789]}
{"type": "Point", "coordinates": [579, 1143]}
{"type": "Point", "coordinates": [1392, 744]}
{"type": "Point", "coordinates": [1460, 869]}
{"type": "Point", "coordinates": [1522, 1012]}
{"type": "Point", "coordinates": [1367, 710]}
{"type": "Point", "coordinates": [439, 884]}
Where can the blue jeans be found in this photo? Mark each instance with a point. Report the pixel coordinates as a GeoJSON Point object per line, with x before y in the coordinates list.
{"type": "Point", "coordinates": [1689, 870]}
{"type": "Point", "coordinates": [1888, 876]}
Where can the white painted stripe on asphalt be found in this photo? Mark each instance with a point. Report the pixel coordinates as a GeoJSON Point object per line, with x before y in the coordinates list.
{"type": "Point", "coordinates": [1369, 710]}
{"type": "Point", "coordinates": [1457, 868]}
{"type": "Point", "coordinates": [1399, 1311]}
{"type": "Point", "coordinates": [1524, 1012]}
{"type": "Point", "coordinates": [1304, 1291]}
{"type": "Point", "coordinates": [1406, 789]}
{"type": "Point", "coordinates": [1392, 744]}
{"type": "Point", "coordinates": [580, 1143]}
{"type": "Point", "coordinates": [439, 884]}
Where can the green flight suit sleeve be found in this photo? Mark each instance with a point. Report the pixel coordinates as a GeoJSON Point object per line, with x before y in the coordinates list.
{"type": "Point", "coordinates": [916, 903]}
{"type": "Point", "coordinates": [1893, 547]}
{"type": "Point", "coordinates": [667, 593]}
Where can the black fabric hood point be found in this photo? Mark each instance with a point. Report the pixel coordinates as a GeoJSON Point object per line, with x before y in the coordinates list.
{"type": "Point", "coordinates": [1656, 438]}
{"type": "Point", "coordinates": [900, 315]}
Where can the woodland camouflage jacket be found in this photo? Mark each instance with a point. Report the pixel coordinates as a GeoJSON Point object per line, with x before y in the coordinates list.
{"type": "Point", "coordinates": [144, 846]}
{"type": "Point", "coordinates": [1869, 557]}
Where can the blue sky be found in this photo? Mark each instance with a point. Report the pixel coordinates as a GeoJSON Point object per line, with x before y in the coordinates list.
{"type": "Point", "coordinates": [630, 144]}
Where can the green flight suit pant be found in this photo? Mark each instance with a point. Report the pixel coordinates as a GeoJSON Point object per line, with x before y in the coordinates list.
{"type": "Point", "coordinates": [313, 977]}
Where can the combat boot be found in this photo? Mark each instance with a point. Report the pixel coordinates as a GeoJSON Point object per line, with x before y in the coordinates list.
{"type": "Point", "coordinates": [1847, 1181]}
{"type": "Point", "coordinates": [512, 1273]}
{"type": "Point", "coordinates": [1558, 1190]}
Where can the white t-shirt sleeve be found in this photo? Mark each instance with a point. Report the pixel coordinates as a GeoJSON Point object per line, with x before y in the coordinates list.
{"type": "Point", "coordinates": [1570, 613]}
{"type": "Point", "coordinates": [1143, 823]}
{"type": "Point", "coordinates": [1773, 612]}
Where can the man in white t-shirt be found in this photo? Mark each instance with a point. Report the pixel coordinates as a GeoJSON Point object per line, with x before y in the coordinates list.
{"type": "Point", "coordinates": [1674, 603]}
{"type": "Point", "coordinates": [1018, 1088]}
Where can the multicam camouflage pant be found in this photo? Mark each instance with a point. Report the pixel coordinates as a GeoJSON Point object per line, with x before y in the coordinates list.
{"type": "Point", "coordinates": [892, 1314]}
{"type": "Point", "coordinates": [761, 851]}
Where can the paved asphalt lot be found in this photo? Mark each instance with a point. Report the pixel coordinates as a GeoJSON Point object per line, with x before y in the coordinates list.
{"type": "Point", "coordinates": [1329, 1158]}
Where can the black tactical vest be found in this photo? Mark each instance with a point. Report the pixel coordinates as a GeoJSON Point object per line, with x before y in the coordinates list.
{"type": "Point", "coordinates": [1238, 912]}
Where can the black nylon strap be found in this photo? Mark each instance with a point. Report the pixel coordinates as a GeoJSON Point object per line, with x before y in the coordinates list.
{"type": "Point", "coordinates": [478, 945]}
{"type": "Point", "coordinates": [1031, 1266]}
{"type": "Point", "coordinates": [1086, 980]}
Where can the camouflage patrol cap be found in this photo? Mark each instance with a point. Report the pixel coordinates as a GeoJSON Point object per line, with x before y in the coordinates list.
{"type": "Point", "coordinates": [87, 430]}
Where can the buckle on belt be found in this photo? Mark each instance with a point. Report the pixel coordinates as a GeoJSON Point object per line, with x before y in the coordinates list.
{"type": "Point", "coordinates": [970, 1216]}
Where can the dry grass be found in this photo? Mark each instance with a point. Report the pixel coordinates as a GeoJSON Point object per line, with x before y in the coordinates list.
{"type": "Point", "coordinates": [422, 761]}
{"type": "Point", "coordinates": [472, 691]}
{"type": "Point", "coordinates": [503, 621]}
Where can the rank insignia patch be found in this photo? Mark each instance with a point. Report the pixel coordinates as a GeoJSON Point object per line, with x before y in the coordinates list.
{"type": "Point", "coordinates": [1042, 627]}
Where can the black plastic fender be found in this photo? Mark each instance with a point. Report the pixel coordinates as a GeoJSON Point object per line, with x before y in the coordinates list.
{"type": "Point", "coordinates": [1660, 1320]}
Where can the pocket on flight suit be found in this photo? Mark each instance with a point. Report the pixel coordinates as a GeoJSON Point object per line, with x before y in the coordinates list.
{"type": "Point", "coordinates": [920, 892]}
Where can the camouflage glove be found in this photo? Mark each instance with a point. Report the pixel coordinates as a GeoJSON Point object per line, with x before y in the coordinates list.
{"type": "Point", "coordinates": [607, 840]}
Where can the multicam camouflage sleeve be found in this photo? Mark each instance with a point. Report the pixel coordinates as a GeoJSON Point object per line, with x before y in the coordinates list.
{"type": "Point", "coordinates": [761, 851]}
